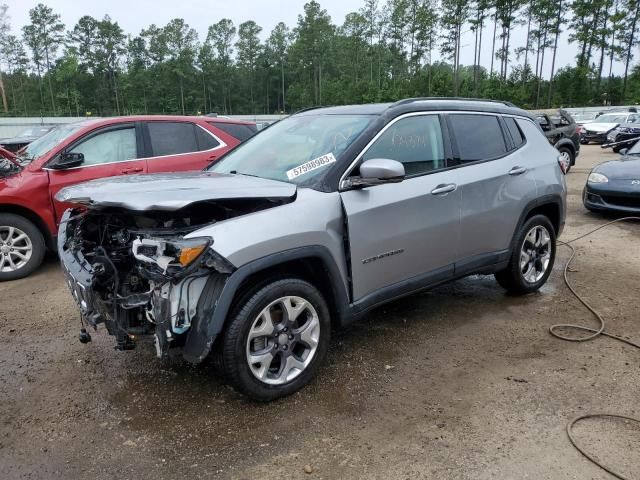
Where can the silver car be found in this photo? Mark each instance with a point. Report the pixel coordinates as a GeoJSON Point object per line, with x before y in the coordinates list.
{"type": "Point", "coordinates": [308, 226]}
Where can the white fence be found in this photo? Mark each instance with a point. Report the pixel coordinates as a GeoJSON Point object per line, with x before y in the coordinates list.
{"type": "Point", "coordinates": [12, 126]}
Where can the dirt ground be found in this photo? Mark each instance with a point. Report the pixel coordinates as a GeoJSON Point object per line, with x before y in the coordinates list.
{"type": "Point", "coordinates": [462, 382]}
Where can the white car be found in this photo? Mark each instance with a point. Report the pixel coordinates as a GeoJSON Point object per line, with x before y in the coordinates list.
{"type": "Point", "coordinates": [597, 130]}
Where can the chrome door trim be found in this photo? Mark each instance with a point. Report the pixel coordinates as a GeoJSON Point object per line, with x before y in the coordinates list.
{"type": "Point", "coordinates": [342, 187]}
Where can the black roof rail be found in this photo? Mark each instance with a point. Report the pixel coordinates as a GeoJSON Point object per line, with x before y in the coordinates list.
{"type": "Point", "coordinates": [420, 99]}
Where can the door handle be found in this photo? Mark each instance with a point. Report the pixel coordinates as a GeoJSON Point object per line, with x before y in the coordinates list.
{"type": "Point", "coordinates": [443, 189]}
{"type": "Point", "coordinates": [517, 171]}
{"type": "Point", "coordinates": [127, 171]}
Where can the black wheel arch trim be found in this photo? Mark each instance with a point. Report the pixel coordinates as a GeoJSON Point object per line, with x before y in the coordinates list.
{"type": "Point", "coordinates": [565, 142]}
{"type": "Point", "coordinates": [551, 199]}
{"type": "Point", "coordinates": [228, 292]}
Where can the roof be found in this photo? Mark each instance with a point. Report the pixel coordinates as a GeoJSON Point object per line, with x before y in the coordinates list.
{"type": "Point", "coordinates": [421, 104]}
{"type": "Point", "coordinates": [142, 118]}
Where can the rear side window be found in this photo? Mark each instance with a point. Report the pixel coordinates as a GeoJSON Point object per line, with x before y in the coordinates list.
{"type": "Point", "coordinates": [416, 142]}
{"type": "Point", "coordinates": [514, 131]}
{"type": "Point", "coordinates": [236, 130]}
{"type": "Point", "coordinates": [479, 137]}
{"type": "Point", "coordinates": [172, 138]}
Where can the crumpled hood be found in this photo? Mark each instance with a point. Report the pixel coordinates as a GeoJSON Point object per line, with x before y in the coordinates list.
{"type": "Point", "coordinates": [600, 127]}
{"type": "Point", "coordinates": [173, 191]}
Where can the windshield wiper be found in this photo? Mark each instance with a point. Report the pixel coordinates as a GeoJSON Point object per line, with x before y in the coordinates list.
{"type": "Point", "coordinates": [235, 172]}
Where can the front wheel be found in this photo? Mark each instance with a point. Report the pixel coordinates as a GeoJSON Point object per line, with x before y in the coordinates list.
{"type": "Point", "coordinates": [276, 339]}
{"type": "Point", "coordinates": [22, 247]}
{"type": "Point", "coordinates": [533, 253]}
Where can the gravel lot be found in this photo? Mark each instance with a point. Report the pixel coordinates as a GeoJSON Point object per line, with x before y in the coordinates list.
{"type": "Point", "coordinates": [460, 382]}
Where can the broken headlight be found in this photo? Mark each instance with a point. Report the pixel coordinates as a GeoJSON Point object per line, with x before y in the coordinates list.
{"type": "Point", "coordinates": [166, 253]}
{"type": "Point", "coordinates": [176, 255]}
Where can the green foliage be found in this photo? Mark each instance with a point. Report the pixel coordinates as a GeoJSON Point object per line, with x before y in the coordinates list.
{"type": "Point", "coordinates": [382, 52]}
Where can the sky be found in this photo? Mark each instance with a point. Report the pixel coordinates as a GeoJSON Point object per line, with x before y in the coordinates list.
{"type": "Point", "coordinates": [134, 15]}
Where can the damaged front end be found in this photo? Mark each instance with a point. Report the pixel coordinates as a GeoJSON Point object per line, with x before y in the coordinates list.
{"type": "Point", "coordinates": [134, 260]}
{"type": "Point", "coordinates": [139, 275]}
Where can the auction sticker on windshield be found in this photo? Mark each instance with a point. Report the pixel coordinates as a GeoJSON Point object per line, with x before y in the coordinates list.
{"type": "Point", "coordinates": [311, 165]}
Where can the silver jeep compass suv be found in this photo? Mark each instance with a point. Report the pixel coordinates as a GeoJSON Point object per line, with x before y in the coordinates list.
{"type": "Point", "coordinates": [309, 225]}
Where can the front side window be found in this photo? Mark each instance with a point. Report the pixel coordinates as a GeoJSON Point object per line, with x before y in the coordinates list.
{"type": "Point", "coordinates": [108, 147]}
{"type": "Point", "coordinates": [298, 149]}
{"type": "Point", "coordinates": [479, 137]}
{"type": "Point", "coordinates": [172, 138]}
{"type": "Point", "coordinates": [416, 142]}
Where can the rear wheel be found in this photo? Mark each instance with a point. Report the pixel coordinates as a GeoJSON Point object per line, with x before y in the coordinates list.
{"type": "Point", "coordinates": [533, 253]}
{"type": "Point", "coordinates": [22, 247]}
{"type": "Point", "coordinates": [567, 157]}
{"type": "Point", "coordinates": [276, 340]}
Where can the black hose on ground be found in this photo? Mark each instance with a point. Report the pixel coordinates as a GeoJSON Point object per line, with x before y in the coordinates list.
{"type": "Point", "coordinates": [593, 333]}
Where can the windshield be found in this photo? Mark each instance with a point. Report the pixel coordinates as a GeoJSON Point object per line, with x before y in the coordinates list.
{"type": "Point", "coordinates": [635, 150]}
{"type": "Point", "coordinates": [611, 118]}
{"type": "Point", "coordinates": [45, 143]}
{"type": "Point", "coordinates": [33, 132]}
{"type": "Point", "coordinates": [295, 149]}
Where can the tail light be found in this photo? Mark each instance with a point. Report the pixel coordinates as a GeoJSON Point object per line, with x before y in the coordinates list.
{"type": "Point", "coordinates": [563, 162]}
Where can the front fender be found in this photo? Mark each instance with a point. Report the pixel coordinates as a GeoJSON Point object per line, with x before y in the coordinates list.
{"type": "Point", "coordinates": [219, 292]}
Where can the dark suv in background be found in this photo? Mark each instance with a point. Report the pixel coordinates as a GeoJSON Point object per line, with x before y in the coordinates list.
{"type": "Point", "coordinates": [562, 132]}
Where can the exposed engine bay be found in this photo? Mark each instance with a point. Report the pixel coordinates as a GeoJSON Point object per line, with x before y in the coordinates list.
{"type": "Point", "coordinates": [138, 274]}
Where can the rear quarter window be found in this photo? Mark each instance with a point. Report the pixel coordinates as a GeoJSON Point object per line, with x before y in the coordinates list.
{"type": "Point", "coordinates": [238, 131]}
{"type": "Point", "coordinates": [479, 137]}
{"type": "Point", "coordinates": [514, 131]}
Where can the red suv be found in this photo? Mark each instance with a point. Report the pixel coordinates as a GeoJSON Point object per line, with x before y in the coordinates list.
{"type": "Point", "coordinates": [91, 149]}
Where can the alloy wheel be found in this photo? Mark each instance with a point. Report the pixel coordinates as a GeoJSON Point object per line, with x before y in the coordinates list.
{"type": "Point", "coordinates": [15, 249]}
{"type": "Point", "coordinates": [283, 340]}
{"type": "Point", "coordinates": [535, 254]}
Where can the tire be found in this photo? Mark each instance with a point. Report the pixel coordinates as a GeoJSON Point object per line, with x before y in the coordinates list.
{"type": "Point", "coordinates": [292, 362]}
{"type": "Point", "coordinates": [566, 151]}
{"type": "Point", "coordinates": [617, 149]}
{"type": "Point", "coordinates": [19, 238]}
{"type": "Point", "coordinates": [584, 142]}
{"type": "Point", "coordinates": [513, 277]}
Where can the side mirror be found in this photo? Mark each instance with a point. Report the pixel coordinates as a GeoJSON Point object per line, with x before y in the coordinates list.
{"type": "Point", "coordinates": [623, 151]}
{"type": "Point", "coordinates": [377, 171]}
{"type": "Point", "coordinates": [69, 160]}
